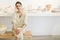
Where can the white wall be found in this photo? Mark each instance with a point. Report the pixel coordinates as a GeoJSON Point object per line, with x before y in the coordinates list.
{"type": "Point", "coordinates": [44, 25]}
{"type": "Point", "coordinates": [7, 21]}
{"type": "Point", "coordinates": [8, 5]}
{"type": "Point", "coordinates": [39, 25]}
{"type": "Point", "coordinates": [34, 3]}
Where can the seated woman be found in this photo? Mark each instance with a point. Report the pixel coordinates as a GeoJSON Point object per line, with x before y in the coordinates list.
{"type": "Point", "coordinates": [19, 21]}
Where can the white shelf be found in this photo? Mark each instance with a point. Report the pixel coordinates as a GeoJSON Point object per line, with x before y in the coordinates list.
{"type": "Point", "coordinates": [43, 14]}
{"type": "Point", "coordinates": [36, 14]}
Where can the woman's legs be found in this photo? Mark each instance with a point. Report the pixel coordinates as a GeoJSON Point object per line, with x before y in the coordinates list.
{"type": "Point", "coordinates": [19, 36]}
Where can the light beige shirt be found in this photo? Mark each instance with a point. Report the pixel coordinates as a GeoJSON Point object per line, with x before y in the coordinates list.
{"type": "Point", "coordinates": [19, 21]}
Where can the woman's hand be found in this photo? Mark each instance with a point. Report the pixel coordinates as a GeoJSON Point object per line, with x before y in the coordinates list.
{"type": "Point", "coordinates": [17, 31]}
{"type": "Point", "coordinates": [23, 25]}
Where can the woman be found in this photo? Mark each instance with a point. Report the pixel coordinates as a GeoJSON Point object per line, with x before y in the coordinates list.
{"type": "Point", "coordinates": [19, 21]}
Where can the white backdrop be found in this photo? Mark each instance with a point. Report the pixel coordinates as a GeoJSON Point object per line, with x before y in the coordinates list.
{"type": "Point", "coordinates": [44, 25]}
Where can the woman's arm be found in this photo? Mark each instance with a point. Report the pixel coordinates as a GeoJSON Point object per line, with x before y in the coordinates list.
{"type": "Point", "coordinates": [25, 21]}
{"type": "Point", "coordinates": [14, 26]}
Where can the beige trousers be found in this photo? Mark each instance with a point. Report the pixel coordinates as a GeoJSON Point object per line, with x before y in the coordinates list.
{"type": "Point", "coordinates": [20, 35]}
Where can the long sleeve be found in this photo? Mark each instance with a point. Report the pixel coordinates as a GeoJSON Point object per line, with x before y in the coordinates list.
{"type": "Point", "coordinates": [14, 26]}
{"type": "Point", "coordinates": [25, 19]}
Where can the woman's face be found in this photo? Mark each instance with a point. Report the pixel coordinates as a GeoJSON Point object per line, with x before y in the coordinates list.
{"type": "Point", "coordinates": [18, 7]}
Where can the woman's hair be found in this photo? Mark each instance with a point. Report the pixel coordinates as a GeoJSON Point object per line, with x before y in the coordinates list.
{"type": "Point", "coordinates": [18, 2]}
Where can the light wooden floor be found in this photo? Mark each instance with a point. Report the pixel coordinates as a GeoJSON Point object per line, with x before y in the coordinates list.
{"type": "Point", "coordinates": [46, 37]}
{"type": "Point", "coordinates": [37, 38]}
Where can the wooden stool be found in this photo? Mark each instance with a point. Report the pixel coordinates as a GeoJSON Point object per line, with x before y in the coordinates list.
{"type": "Point", "coordinates": [28, 35]}
{"type": "Point", "coordinates": [7, 35]}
